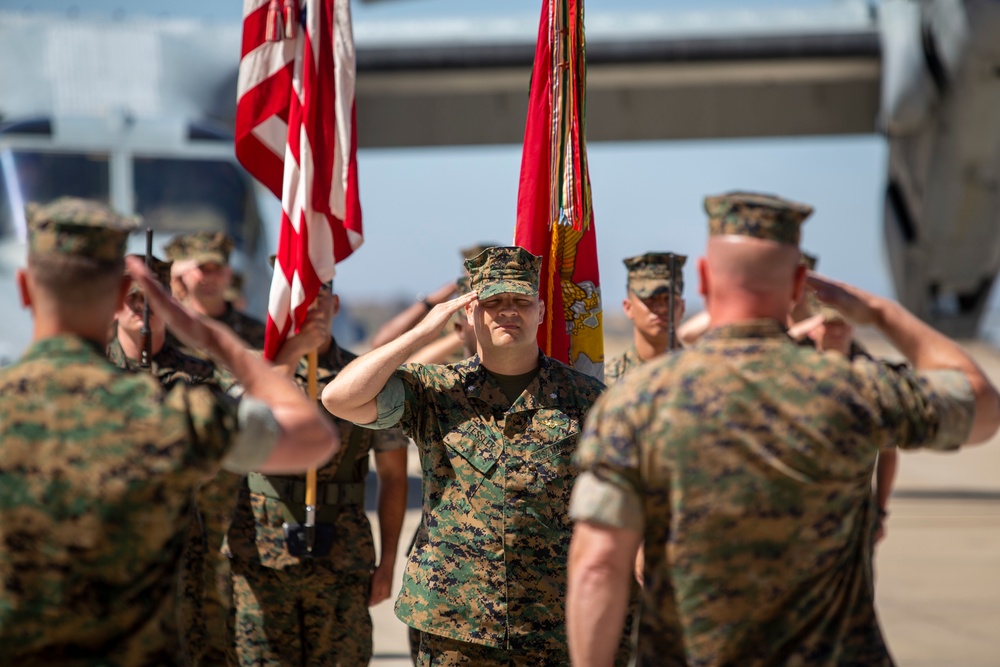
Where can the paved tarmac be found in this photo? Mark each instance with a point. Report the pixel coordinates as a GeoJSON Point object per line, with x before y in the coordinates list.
{"type": "Point", "coordinates": [937, 571]}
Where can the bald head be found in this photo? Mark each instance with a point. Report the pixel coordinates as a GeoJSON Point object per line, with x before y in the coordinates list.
{"type": "Point", "coordinates": [749, 278]}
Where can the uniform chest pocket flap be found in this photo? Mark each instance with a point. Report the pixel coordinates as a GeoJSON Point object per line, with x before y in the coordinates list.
{"type": "Point", "coordinates": [477, 444]}
{"type": "Point", "coordinates": [555, 435]}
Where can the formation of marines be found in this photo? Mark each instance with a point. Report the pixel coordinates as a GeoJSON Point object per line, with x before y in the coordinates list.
{"type": "Point", "coordinates": [714, 506]}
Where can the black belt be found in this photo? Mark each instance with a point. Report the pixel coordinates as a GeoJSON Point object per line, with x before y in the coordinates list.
{"type": "Point", "coordinates": [293, 490]}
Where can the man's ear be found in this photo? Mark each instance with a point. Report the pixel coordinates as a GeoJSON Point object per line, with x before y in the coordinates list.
{"type": "Point", "coordinates": [336, 304]}
{"type": "Point", "coordinates": [703, 280]}
{"type": "Point", "coordinates": [799, 286]}
{"type": "Point", "coordinates": [541, 310]}
{"type": "Point", "coordinates": [627, 307]}
{"type": "Point", "coordinates": [23, 288]}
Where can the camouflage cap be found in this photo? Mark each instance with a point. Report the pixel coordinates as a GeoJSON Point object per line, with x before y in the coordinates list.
{"type": "Point", "coordinates": [159, 268]}
{"type": "Point", "coordinates": [501, 270]}
{"type": "Point", "coordinates": [649, 274]}
{"type": "Point", "coordinates": [463, 286]}
{"type": "Point", "coordinates": [203, 247]}
{"type": "Point", "coordinates": [81, 227]}
{"type": "Point", "coordinates": [810, 260]}
{"type": "Point", "coordinates": [757, 215]}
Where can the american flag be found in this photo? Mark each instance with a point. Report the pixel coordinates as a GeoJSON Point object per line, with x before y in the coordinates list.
{"type": "Point", "coordinates": [295, 133]}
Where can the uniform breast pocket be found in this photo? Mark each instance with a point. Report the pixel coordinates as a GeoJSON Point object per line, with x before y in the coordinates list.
{"type": "Point", "coordinates": [548, 481]}
{"type": "Point", "coordinates": [555, 461]}
{"type": "Point", "coordinates": [473, 455]}
{"type": "Point", "coordinates": [554, 436]}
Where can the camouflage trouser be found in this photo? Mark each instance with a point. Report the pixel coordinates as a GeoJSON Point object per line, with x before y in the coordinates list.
{"type": "Point", "coordinates": [206, 584]}
{"type": "Point", "coordinates": [413, 635]}
{"type": "Point", "coordinates": [193, 635]}
{"type": "Point", "coordinates": [438, 651]}
{"type": "Point", "coordinates": [428, 650]}
{"type": "Point", "coordinates": [303, 615]}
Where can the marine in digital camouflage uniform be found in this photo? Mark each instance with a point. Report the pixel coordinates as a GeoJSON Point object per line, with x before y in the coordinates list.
{"type": "Point", "coordinates": [647, 305]}
{"type": "Point", "coordinates": [314, 610]}
{"type": "Point", "coordinates": [496, 434]}
{"type": "Point", "coordinates": [745, 464]}
{"type": "Point", "coordinates": [98, 465]}
{"type": "Point", "coordinates": [167, 364]}
{"type": "Point", "coordinates": [202, 276]}
{"type": "Point", "coordinates": [203, 608]}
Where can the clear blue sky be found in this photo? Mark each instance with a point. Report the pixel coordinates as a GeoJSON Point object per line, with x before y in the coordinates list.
{"type": "Point", "coordinates": [421, 205]}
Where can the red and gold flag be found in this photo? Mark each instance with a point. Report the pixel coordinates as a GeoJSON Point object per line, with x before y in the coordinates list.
{"type": "Point", "coordinates": [555, 217]}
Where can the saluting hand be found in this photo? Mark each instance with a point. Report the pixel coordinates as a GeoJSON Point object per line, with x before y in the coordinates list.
{"type": "Point", "coordinates": [439, 316]}
{"type": "Point", "coordinates": [182, 321]}
{"type": "Point", "coordinates": [854, 303]}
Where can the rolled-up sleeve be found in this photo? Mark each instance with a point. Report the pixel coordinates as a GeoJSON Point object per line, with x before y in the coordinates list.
{"type": "Point", "coordinates": [955, 406]}
{"type": "Point", "coordinates": [607, 490]}
{"type": "Point", "coordinates": [919, 409]}
{"type": "Point", "coordinates": [391, 402]}
{"type": "Point", "coordinates": [604, 502]}
{"type": "Point", "coordinates": [256, 438]}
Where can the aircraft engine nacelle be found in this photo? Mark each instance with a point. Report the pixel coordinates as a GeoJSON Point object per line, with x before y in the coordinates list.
{"type": "Point", "coordinates": [941, 115]}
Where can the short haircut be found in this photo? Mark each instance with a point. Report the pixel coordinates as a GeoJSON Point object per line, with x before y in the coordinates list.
{"type": "Point", "coordinates": [75, 280]}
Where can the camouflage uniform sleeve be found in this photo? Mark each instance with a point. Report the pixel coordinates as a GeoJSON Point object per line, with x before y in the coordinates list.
{"type": "Point", "coordinates": [607, 490]}
{"type": "Point", "coordinates": [394, 399]}
{"type": "Point", "coordinates": [256, 439]}
{"type": "Point", "coordinates": [613, 371]}
{"type": "Point", "coordinates": [211, 419]}
{"type": "Point", "coordinates": [930, 409]}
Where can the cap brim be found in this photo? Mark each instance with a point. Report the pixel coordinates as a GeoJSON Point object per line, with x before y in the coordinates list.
{"type": "Point", "coordinates": [210, 257]}
{"type": "Point", "coordinates": [507, 287]}
{"type": "Point", "coordinates": [645, 289]}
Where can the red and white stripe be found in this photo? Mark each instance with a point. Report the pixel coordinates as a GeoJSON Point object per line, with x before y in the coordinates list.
{"type": "Point", "coordinates": [295, 133]}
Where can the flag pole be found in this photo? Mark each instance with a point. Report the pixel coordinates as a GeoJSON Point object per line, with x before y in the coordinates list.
{"type": "Point", "coordinates": [312, 392]}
